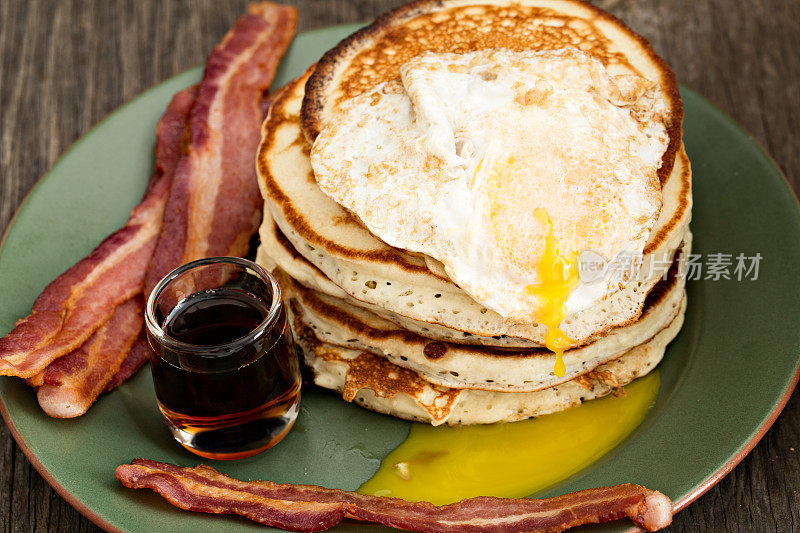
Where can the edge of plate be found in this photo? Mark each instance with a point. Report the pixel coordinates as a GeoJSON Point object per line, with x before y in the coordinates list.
{"type": "Point", "coordinates": [678, 506]}
{"type": "Point", "coordinates": [64, 493]}
{"type": "Point", "coordinates": [715, 478]}
{"type": "Point", "coordinates": [746, 449]}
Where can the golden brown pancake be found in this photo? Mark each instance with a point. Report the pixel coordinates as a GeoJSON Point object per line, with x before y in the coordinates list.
{"type": "Point", "coordinates": [375, 383]}
{"type": "Point", "coordinates": [336, 322]}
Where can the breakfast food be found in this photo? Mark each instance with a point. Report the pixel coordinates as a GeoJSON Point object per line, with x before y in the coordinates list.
{"type": "Point", "coordinates": [84, 335]}
{"type": "Point", "coordinates": [370, 378]}
{"type": "Point", "coordinates": [465, 147]}
{"type": "Point", "coordinates": [313, 508]}
{"type": "Point", "coordinates": [372, 382]}
{"type": "Point", "coordinates": [337, 320]}
{"type": "Point", "coordinates": [435, 187]}
{"type": "Point", "coordinates": [411, 289]}
{"type": "Point", "coordinates": [70, 384]}
{"type": "Point", "coordinates": [374, 54]}
{"type": "Point", "coordinates": [84, 298]}
{"type": "Point", "coordinates": [428, 205]}
{"type": "Point", "coordinates": [214, 206]}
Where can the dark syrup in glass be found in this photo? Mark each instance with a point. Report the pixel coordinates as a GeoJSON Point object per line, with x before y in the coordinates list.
{"type": "Point", "coordinates": [224, 411]}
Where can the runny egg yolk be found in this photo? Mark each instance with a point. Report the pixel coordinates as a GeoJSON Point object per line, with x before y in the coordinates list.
{"type": "Point", "coordinates": [510, 460]}
{"type": "Point", "coordinates": [558, 276]}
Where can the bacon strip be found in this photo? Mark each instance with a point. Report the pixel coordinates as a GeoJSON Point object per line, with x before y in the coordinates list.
{"type": "Point", "coordinates": [312, 508]}
{"type": "Point", "coordinates": [83, 298]}
{"type": "Point", "coordinates": [70, 384]}
{"type": "Point", "coordinates": [132, 363]}
{"type": "Point", "coordinates": [214, 205]}
{"type": "Point", "coordinates": [139, 353]}
{"type": "Point", "coordinates": [237, 74]}
{"type": "Point", "coordinates": [73, 382]}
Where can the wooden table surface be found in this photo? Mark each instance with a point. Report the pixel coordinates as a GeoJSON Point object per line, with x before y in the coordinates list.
{"type": "Point", "coordinates": [65, 64]}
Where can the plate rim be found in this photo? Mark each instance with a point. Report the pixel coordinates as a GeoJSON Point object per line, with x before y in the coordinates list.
{"type": "Point", "coordinates": [715, 478]}
{"type": "Point", "coordinates": [681, 504]}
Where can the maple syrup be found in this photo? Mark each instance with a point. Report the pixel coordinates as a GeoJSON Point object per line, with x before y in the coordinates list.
{"type": "Point", "coordinates": [224, 367]}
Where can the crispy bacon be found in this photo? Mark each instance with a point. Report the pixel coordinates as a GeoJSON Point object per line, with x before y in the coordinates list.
{"type": "Point", "coordinates": [132, 363]}
{"type": "Point", "coordinates": [83, 298]}
{"type": "Point", "coordinates": [237, 75]}
{"type": "Point", "coordinates": [215, 156]}
{"type": "Point", "coordinates": [214, 205]}
{"type": "Point", "coordinates": [312, 508]}
{"type": "Point", "coordinates": [73, 382]}
{"type": "Point", "coordinates": [70, 384]}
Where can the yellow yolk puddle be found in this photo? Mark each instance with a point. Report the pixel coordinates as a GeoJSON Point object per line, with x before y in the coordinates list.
{"type": "Point", "coordinates": [446, 464]}
{"type": "Point", "coordinates": [558, 275]}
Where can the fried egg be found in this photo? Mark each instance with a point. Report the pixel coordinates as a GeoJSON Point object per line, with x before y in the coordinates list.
{"type": "Point", "coordinates": [504, 166]}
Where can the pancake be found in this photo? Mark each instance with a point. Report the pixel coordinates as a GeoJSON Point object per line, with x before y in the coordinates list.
{"type": "Point", "coordinates": [375, 53]}
{"type": "Point", "coordinates": [276, 251]}
{"type": "Point", "coordinates": [404, 285]}
{"type": "Point", "coordinates": [375, 383]}
{"type": "Point", "coordinates": [386, 326]}
{"type": "Point", "coordinates": [479, 367]}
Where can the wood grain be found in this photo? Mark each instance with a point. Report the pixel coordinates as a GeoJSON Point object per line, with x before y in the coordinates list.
{"type": "Point", "coordinates": [65, 64]}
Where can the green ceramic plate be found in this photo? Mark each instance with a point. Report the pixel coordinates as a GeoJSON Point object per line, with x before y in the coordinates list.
{"type": "Point", "coordinates": [723, 380]}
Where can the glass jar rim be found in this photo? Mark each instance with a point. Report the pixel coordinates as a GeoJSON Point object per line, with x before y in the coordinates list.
{"type": "Point", "coordinates": [155, 329]}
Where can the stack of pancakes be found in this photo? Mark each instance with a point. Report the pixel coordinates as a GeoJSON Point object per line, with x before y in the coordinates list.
{"type": "Point", "coordinates": [387, 327]}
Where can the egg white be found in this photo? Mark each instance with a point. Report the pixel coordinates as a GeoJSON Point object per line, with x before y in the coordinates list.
{"type": "Point", "coordinates": [453, 158]}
